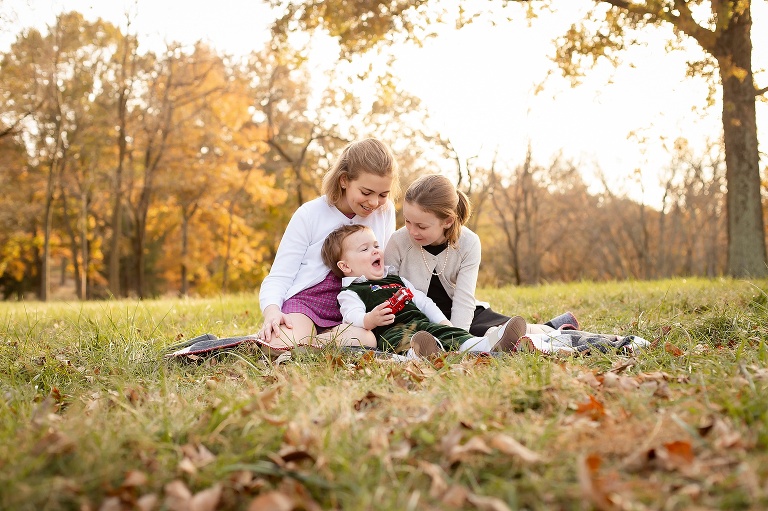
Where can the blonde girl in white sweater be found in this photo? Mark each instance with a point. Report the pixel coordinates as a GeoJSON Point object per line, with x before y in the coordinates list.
{"type": "Point", "coordinates": [298, 297]}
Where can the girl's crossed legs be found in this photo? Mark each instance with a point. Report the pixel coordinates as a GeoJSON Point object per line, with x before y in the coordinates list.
{"type": "Point", "coordinates": [304, 332]}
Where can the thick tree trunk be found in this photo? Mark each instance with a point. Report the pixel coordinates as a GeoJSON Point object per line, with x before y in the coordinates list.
{"type": "Point", "coordinates": [746, 235]}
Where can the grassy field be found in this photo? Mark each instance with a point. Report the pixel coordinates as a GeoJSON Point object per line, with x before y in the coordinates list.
{"type": "Point", "coordinates": [93, 417]}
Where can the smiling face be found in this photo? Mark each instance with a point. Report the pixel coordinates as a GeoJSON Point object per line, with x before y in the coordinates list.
{"type": "Point", "coordinates": [360, 256]}
{"type": "Point", "coordinates": [425, 227]}
{"type": "Point", "coordinates": [364, 195]}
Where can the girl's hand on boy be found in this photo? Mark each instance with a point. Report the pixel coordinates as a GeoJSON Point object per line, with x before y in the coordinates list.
{"type": "Point", "coordinates": [379, 316]}
{"type": "Point", "coordinates": [273, 318]}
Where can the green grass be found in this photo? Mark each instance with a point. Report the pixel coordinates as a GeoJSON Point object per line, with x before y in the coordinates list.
{"type": "Point", "coordinates": [92, 415]}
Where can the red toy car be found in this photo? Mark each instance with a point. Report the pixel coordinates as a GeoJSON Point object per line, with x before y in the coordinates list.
{"type": "Point", "coordinates": [398, 300]}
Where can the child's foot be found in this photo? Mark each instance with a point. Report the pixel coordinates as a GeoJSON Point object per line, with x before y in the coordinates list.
{"type": "Point", "coordinates": [424, 344]}
{"type": "Point", "coordinates": [513, 330]}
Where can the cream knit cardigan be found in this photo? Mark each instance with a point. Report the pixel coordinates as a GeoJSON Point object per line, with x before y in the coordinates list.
{"type": "Point", "coordinates": [459, 277]}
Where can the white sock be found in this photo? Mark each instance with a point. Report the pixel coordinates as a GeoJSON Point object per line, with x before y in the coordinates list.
{"type": "Point", "coordinates": [411, 355]}
{"type": "Point", "coordinates": [476, 344]}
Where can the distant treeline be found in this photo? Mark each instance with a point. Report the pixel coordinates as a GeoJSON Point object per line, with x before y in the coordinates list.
{"type": "Point", "coordinates": [128, 172]}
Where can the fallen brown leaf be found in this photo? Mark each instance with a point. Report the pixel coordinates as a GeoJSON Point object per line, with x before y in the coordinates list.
{"type": "Point", "coordinates": [654, 376]}
{"type": "Point", "coordinates": [456, 496]}
{"type": "Point", "coordinates": [267, 397]}
{"type": "Point", "coordinates": [512, 447]}
{"type": "Point", "coordinates": [610, 380]}
{"type": "Point", "coordinates": [147, 502]}
{"type": "Point", "coordinates": [673, 350]}
{"type": "Point", "coordinates": [290, 453]}
{"type": "Point", "coordinates": [482, 360]}
{"type": "Point", "coordinates": [206, 500]}
{"type": "Point", "coordinates": [274, 420]}
{"type": "Point", "coordinates": [378, 442]}
{"type": "Point", "coordinates": [111, 504]}
{"type": "Point", "coordinates": [438, 486]}
{"type": "Point", "coordinates": [415, 372]}
{"type": "Point", "coordinates": [680, 450]}
{"type": "Point", "coordinates": [473, 445]}
{"type": "Point", "coordinates": [198, 454]}
{"type": "Point", "coordinates": [591, 488]}
{"type": "Point", "coordinates": [370, 400]}
{"type": "Point", "coordinates": [272, 501]}
{"type": "Point", "coordinates": [487, 503]}
{"type": "Point", "coordinates": [589, 378]}
{"type": "Point", "coordinates": [54, 443]}
{"type": "Point", "coordinates": [400, 450]}
{"type": "Point", "coordinates": [177, 496]}
{"type": "Point", "coordinates": [450, 440]}
{"type": "Point", "coordinates": [186, 465]}
{"type": "Point", "coordinates": [593, 409]}
{"type": "Point", "coordinates": [335, 361]}
{"type": "Point", "coordinates": [662, 390]}
{"type": "Point", "coordinates": [135, 478]}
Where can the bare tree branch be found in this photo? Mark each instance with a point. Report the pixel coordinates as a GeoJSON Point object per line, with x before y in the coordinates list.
{"type": "Point", "coordinates": [685, 22]}
{"type": "Point", "coordinates": [12, 129]}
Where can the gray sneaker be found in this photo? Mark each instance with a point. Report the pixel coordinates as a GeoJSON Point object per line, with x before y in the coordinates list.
{"type": "Point", "coordinates": [513, 331]}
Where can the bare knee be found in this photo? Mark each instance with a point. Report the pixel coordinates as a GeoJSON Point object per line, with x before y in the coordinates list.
{"type": "Point", "coordinates": [367, 338]}
{"type": "Point", "coordinates": [348, 335]}
{"type": "Point", "coordinates": [539, 329]}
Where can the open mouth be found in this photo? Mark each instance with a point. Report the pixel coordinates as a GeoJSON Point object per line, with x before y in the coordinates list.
{"type": "Point", "coordinates": [377, 263]}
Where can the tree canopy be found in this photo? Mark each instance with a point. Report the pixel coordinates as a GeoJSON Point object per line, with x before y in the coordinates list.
{"type": "Point", "coordinates": [722, 28]}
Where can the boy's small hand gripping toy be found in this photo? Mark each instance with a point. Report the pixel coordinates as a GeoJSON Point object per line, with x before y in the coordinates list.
{"type": "Point", "coordinates": [398, 300]}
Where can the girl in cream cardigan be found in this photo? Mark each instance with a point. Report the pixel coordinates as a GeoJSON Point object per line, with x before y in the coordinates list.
{"type": "Point", "coordinates": [441, 257]}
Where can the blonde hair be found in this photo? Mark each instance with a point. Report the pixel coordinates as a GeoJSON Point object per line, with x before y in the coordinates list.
{"type": "Point", "coordinates": [367, 155]}
{"type": "Point", "coordinates": [437, 195]}
{"type": "Point", "coordinates": [333, 245]}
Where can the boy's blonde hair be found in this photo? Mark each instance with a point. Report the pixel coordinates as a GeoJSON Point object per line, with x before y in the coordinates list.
{"type": "Point", "coordinates": [436, 194]}
{"type": "Point", "coordinates": [367, 155]}
{"type": "Point", "coordinates": [333, 246]}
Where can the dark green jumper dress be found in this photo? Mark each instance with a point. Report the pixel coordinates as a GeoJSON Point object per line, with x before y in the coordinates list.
{"type": "Point", "coordinates": [397, 336]}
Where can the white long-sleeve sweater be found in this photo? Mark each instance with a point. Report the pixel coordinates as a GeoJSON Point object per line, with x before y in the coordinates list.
{"type": "Point", "coordinates": [298, 264]}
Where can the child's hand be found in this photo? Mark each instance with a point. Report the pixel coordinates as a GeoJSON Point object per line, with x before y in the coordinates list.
{"type": "Point", "coordinates": [379, 316]}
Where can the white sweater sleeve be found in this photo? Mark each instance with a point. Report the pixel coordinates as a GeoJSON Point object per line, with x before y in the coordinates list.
{"type": "Point", "coordinates": [352, 308]}
{"type": "Point", "coordinates": [290, 254]}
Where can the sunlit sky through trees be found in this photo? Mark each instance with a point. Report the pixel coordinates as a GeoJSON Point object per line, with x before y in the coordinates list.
{"type": "Point", "coordinates": [478, 82]}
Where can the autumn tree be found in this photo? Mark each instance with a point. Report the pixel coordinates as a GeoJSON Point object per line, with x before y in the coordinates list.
{"type": "Point", "coordinates": [721, 28]}
{"type": "Point", "coordinates": [51, 81]}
